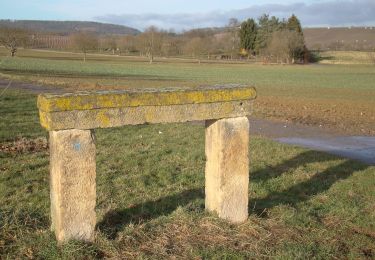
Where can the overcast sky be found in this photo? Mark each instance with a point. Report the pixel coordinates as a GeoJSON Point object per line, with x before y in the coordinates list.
{"type": "Point", "coordinates": [187, 14]}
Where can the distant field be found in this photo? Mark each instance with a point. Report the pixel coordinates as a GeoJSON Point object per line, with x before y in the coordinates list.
{"type": "Point", "coordinates": [335, 96]}
{"type": "Point", "coordinates": [348, 57]}
{"type": "Point", "coordinates": [330, 37]}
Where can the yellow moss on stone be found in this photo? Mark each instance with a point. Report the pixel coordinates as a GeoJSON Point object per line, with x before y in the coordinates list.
{"type": "Point", "coordinates": [43, 119]}
{"type": "Point", "coordinates": [103, 119]}
{"type": "Point", "coordinates": [98, 100]}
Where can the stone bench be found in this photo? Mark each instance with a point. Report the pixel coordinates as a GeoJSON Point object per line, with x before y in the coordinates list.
{"type": "Point", "coordinates": [70, 119]}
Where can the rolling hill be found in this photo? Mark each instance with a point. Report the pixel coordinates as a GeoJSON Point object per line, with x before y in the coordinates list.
{"type": "Point", "coordinates": [353, 38]}
{"type": "Point", "coordinates": [327, 38]}
{"type": "Point", "coordinates": [69, 27]}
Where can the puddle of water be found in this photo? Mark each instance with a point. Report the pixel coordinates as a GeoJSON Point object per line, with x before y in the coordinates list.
{"type": "Point", "coordinates": [361, 148]}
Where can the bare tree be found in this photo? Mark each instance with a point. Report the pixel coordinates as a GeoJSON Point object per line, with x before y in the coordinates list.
{"type": "Point", "coordinates": [172, 45]}
{"type": "Point", "coordinates": [151, 42]}
{"type": "Point", "coordinates": [195, 48]}
{"type": "Point", "coordinates": [127, 44]}
{"type": "Point", "coordinates": [85, 42]}
{"type": "Point", "coordinates": [112, 44]}
{"type": "Point", "coordinates": [12, 38]}
{"type": "Point", "coordinates": [234, 26]}
{"type": "Point", "coordinates": [285, 46]}
{"type": "Point", "coordinates": [277, 48]}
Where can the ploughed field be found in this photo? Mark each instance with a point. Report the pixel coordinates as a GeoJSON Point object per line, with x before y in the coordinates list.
{"type": "Point", "coordinates": [150, 178]}
{"type": "Point", "coordinates": [333, 96]}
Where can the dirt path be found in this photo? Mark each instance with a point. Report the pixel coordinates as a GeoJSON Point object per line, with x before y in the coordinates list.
{"type": "Point", "coordinates": [360, 148]}
{"type": "Point", "coordinates": [33, 88]}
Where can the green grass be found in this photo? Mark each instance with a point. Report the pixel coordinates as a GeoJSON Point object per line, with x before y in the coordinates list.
{"type": "Point", "coordinates": [276, 80]}
{"type": "Point", "coordinates": [19, 116]}
{"type": "Point", "coordinates": [333, 96]}
{"type": "Point", "coordinates": [150, 198]}
{"type": "Point", "coordinates": [263, 76]}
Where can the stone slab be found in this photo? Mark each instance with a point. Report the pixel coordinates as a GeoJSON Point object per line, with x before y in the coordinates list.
{"type": "Point", "coordinates": [112, 109]}
{"type": "Point", "coordinates": [104, 118]}
{"type": "Point", "coordinates": [143, 97]}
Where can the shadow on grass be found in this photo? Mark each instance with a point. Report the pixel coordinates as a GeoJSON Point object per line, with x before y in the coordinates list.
{"type": "Point", "coordinates": [315, 56]}
{"type": "Point", "coordinates": [301, 159]}
{"type": "Point", "coordinates": [115, 220]}
{"type": "Point", "coordinates": [303, 191]}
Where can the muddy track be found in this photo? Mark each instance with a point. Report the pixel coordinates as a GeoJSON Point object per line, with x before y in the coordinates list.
{"type": "Point", "coordinates": [30, 87]}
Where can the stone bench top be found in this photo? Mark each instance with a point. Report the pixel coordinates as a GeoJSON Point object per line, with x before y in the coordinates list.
{"type": "Point", "coordinates": [143, 97]}
{"type": "Point", "coordinates": [101, 109]}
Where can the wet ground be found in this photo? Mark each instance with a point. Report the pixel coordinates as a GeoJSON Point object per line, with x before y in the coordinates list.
{"type": "Point", "coordinates": [360, 148]}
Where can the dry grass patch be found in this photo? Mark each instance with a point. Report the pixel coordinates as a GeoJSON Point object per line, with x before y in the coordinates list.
{"type": "Point", "coordinates": [24, 145]}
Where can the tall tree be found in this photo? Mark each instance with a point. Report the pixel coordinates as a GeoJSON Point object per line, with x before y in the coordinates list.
{"type": "Point", "coordinates": [85, 42]}
{"type": "Point", "coordinates": [293, 24]}
{"type": "Point", "coordinates": [153, 41]}
{"type": "Point", "coordinates": [12, 38]}
{"type": "Point", "coordinates": [233, 26]}
{"type": "Point", "coordinates": [266, 27]}
{"type": "Point", "coordinates": [248, 35]}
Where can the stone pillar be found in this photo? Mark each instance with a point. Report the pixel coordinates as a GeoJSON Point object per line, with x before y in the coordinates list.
{"type": "Point", "coordinates": [72, 184]}
{"type": "Point", "coordinates": [227, 168]}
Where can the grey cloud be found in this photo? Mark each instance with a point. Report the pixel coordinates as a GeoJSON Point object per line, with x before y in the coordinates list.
{"type": "Point", "coordinates": [331, 13]}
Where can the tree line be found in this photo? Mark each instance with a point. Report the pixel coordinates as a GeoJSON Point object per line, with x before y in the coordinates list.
{"type": "Point", "coordinates": [274, 39]}
{"type": "Point", "coordinates": [268, 39]}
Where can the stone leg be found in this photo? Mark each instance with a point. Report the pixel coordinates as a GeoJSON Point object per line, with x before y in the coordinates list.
{"type": "Point", "coordinates": [227, 168]}
{"type": "Point", "coordinates": [72, 184]}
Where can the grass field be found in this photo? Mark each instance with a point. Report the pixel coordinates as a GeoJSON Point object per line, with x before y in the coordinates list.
{"type": "Point", "coordinates": [335, 96]}
{"type": "Point", "coordinates": [348, 57]}
{"type": "Point", "coordinates": [150, 202]}
{"type": "Point", "coordinates": [150, 179]}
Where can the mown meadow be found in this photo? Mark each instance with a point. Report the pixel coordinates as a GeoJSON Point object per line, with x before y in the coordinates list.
{"type": "Point", "coordinates": [150, 178]}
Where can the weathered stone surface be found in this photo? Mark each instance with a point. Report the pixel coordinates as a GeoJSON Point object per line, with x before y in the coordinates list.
{"type": "Point", "coordinates": [227, 168]}
{"type": "Point", "coordinates": [103, 118]}
{"type": "Point", "coordinates": [72, 184]}
{"type": "Point", "coordinates": [144, 97]}
{"type": "Point", "coordinates": [109, 109]}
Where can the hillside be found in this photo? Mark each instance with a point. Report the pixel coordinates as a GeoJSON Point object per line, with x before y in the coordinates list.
{"type": "Point", "coordinates": [350, 38]}
{"type": "Point", "coordinates": [328, 38]}
{"type": "Point", "coordinates": [68, 27]}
